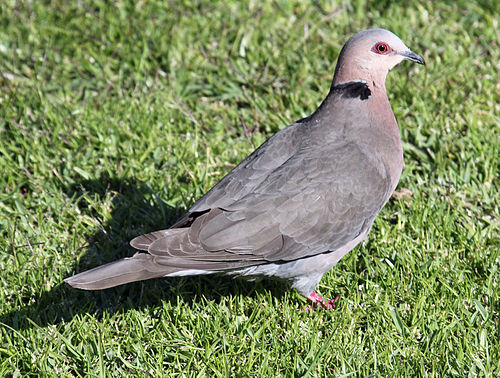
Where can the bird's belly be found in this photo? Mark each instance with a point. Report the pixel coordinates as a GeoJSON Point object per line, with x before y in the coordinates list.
{"type": "Point", "coordinates": [303, 274]}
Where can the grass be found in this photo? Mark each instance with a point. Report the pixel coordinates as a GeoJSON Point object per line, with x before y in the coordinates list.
{"type": "Point", "coordinates": [116, 116]}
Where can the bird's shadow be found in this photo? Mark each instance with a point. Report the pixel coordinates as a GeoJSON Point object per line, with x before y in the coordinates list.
{"type": "Point", "coordinates": [135, 209]}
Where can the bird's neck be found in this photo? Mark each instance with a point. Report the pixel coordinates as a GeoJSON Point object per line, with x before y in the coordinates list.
{"type": "Point", "coordinates": [377, 106]}
{"type": "Point", "coordinates": [375, 79]}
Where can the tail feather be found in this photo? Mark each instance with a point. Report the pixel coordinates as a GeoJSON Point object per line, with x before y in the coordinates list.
{"type": "Point", "coordinates": [137, 268]}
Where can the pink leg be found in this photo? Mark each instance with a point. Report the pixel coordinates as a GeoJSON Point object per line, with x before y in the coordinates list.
{"type": "Point", "coordinates": [317, 299]}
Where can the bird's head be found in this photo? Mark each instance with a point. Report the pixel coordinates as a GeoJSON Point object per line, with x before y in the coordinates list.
{"type": "Point", "coordinates": [370, 54]}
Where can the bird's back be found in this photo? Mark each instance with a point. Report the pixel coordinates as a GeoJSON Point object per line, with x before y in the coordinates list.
{"type": "Point", "coordinates": [311, 188]}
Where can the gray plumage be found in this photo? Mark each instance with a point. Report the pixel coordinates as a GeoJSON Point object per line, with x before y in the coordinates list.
{"type": "Point", "coordinates": [298, 203]}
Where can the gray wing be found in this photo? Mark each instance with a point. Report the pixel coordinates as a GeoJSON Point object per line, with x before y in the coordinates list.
{"type": "Point", "coordinates": [310, 205]}
{"type": "Point", "coordinates": [317, 201]}
{"type": "Point", "coordinates": [250, 173]}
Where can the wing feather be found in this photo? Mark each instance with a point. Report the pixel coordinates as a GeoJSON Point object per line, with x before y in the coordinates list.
{"type": "Point", "coordinates": [305, 191]}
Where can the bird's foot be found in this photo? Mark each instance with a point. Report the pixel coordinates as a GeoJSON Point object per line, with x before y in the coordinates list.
{"type": "Point", "coordinates": [317, 300]}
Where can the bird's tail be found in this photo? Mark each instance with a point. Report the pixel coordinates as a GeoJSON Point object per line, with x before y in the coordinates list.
{"type": "Point", "coordinates": [136, 268]}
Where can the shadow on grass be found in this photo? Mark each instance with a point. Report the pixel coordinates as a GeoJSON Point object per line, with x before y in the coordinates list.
{"type": "Point", "coordinates": [135, 210]}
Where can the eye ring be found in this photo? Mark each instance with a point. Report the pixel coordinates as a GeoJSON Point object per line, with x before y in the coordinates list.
{"type": "Point", "coordinates": [381, 48]}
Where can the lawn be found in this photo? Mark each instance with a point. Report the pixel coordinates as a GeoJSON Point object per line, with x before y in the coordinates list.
{"type": "Point", "coordinates": [116, 116]}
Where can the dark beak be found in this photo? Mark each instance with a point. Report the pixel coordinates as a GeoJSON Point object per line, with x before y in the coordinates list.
{"type": "Point", "coordinates": [414, 57]}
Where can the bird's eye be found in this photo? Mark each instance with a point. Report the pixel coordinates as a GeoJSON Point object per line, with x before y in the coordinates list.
{"type": "Point", "coordinates": [381, 48]}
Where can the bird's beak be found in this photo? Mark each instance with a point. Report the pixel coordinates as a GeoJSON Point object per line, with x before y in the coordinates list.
{"type": "Point", "coordinates": [414, 57]}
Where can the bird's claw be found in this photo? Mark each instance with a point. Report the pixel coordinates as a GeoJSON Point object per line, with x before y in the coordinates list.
{"type": "Point", "coordinates": [317, 300]}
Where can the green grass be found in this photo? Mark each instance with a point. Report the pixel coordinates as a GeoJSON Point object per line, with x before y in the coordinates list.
{"type": "Point", "coordinates": [115, 117]}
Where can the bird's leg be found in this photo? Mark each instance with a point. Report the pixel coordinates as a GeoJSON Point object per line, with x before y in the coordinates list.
{"type": "Point", "coordinates": [317, 299]}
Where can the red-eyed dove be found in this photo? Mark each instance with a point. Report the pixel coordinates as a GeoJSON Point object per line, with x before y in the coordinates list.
{"type": "Point", "coordinates": [299, 202]}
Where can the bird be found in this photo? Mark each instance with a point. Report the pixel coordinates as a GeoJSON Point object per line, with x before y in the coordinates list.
{"type": "Point", "coordinates": [297, 204]}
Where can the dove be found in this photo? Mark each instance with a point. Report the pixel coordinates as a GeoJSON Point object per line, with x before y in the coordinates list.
{"type": "Point", "coordinates": [302, 200]}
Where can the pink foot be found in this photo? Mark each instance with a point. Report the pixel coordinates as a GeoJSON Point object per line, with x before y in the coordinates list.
{"type": "Point", "coordinates": [317, 299]}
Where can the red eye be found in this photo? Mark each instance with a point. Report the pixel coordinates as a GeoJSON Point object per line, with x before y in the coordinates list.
{"type": "Point", "coordinates": [381, 48]}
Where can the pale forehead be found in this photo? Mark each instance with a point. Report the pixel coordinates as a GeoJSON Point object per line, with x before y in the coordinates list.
{"type": "Point", "coordinates": [371, 36]}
